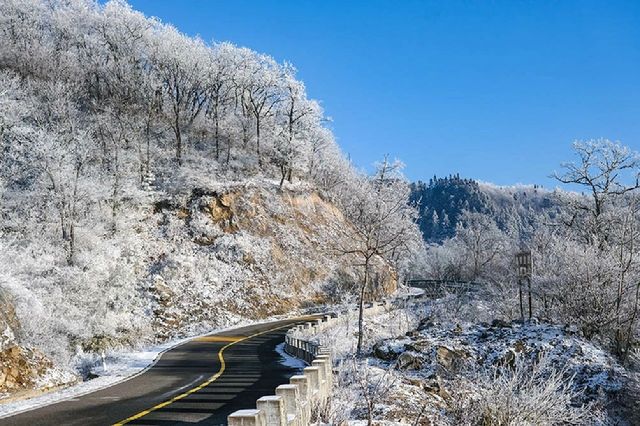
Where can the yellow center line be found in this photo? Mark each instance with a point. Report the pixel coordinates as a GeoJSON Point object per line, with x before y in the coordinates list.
{"type": "Point", "coordinates": [207, 382]}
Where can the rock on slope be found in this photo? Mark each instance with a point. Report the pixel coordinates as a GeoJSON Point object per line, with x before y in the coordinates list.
{"type": "Point", "coordinates": [21, 368]}
{"type": "Point", "coordinates": [262, 252]}
{"type": "Point", "coordinates": [450, 364]}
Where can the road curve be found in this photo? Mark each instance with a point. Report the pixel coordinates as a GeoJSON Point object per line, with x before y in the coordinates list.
{"type": "Point", "coordinates": [197, 383]}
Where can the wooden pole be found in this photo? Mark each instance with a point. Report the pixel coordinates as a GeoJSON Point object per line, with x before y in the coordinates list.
{"type": "Point", "coordinates": [529, 289]}
{"type": "Point", "coordinates": [520, 296]}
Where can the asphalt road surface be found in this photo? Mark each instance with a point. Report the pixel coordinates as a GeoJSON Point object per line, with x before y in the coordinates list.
{"type": "Point", "coordinates": [197, 383]}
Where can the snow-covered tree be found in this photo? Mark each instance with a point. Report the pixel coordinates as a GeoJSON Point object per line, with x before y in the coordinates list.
{"type": "Point", "coordinates": [481, 241]}
{"type": "Point", "coordinates": [181, 64]}
{"type": "Point", "coordinates": [604, 225]}
{"type": "Point", "coordinates": [383, 223]}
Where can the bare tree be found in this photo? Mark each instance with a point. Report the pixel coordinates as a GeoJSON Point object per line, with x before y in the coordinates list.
{"type": "Point", "coordinates": [602, 169]}
{"type": "Point", "coordinates": [481, 241]}
{"type": "Point", "coordinates": [606, 221]}
{"type": "Point", "coordinates": [183, 83]}
{"type": "Point", "coordinates": [382, 224]}
{"type": "Point", "coordinates": [375, 385]}
{"type": "Point", "coordinates": [220, 89]}
{"type": "Point", "coordinates": [260, 91]}
{"type": "Point", "coordinates": [300, 117]}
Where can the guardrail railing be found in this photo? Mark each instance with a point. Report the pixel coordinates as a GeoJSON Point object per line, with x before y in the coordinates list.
{"type": "Point", "coordinates": [292, 403]}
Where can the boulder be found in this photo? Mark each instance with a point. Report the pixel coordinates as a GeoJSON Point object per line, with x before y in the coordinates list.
{"type": "Point", "coordinates": [409, 361]}
{"type": "Point", "coordinates": [418, 346]}
{"type": "Point", "coordinates": [20, 368]}
{"type": "Point", "coordinates": [220, 211]}
{"type": "Point", "coordinates": [385, 351]}
{"type": "Point", "coordinates": [498, 323]}
{"type": "Point", "coordinates": [425, 324]}
{"type": "Point", "coordinates": [449, 358]}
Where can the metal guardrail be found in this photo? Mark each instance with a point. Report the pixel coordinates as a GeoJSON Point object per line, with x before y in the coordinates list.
{"type": "Point", "coordinates": [302, 349]}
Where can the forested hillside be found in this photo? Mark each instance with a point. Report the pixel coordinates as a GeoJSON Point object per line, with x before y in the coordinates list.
{"type": "Point", "coordinates": [153, 185]}
{"type": "Point", "coordinates": [515, 209]}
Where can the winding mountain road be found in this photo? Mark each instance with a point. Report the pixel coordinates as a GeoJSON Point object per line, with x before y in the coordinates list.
{"type": "Point", "coordinates": [197, 383]}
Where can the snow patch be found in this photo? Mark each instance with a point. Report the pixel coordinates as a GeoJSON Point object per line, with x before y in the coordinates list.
{"type": "Point", "coordinates": [289, 361]}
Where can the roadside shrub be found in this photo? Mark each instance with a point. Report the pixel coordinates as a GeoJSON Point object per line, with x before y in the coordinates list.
{"type": "Point", "coordinates": [522, 394]}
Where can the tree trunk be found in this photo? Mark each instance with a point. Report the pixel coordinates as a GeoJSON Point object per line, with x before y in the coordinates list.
{"type": "Point", "coordinates": [520, 297]}
{"type": "Point", "coordinates": [283, 174]}
{"type": "Point", "coordinates": [72, 244]}
{"type": "Point", "coordinates": [632, 322]}
{"type": "Point", "coordinates": [258, 141]}
{"type": "Point", "coordinates": [217, 138]}
{"type": "Point", "coordinates": [361, 311]}
{"type": "Point", "coordinates": [115, 204]}
{"type": "Point", "coordinates": [178, 142]}
{"type": "Point", "coordinates": [147, 134]}
{"type": "Point", "coordinates": [530, 304]}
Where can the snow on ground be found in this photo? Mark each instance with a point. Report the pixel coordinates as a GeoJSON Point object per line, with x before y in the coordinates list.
{"type": "Point", "coordinates": [290, 361]}
{"type": "Point", "coordinates": [489, 345]}
{"type": "Point", "coordinates": [434, 366]}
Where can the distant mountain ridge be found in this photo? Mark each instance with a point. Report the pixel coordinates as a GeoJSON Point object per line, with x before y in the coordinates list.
{"type": "Point", "coordinates": [515, 209]}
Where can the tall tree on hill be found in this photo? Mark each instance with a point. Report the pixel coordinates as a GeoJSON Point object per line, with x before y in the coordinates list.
{"type": "Point", "coordinates": [299, 117]}
{"type": "Point", "coordinates": [261, 92]}
{"type": "Point", "coordinates": [220, 89]}
{"type": "Point", "coordinates": [181, 63]}
{"type": "Point", "coordinates": [383, 224]}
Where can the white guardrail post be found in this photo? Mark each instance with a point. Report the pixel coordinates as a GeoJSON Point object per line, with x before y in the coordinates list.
{"type": "Point", "coordinates": [247, 418]}
{"type": "Point", "coordinates": [273, 408]}
{"type": "Point", "coordinates": [304, 398]}
{"type": "Point", "coordinates": [289, 395]}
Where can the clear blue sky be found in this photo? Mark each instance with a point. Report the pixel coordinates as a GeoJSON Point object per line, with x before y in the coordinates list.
{"type": "Point", "coordinates": [494, 90]}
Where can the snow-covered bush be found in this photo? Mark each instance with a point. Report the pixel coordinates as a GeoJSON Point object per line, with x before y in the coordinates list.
{"type": "Point", "coordinates": [522, 394]}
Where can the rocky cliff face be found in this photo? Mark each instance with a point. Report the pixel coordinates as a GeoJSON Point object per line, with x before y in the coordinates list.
{"type": "Point", "coordinates": [264, 251]}
{"type": "Point", "coordinates": [22, 368]}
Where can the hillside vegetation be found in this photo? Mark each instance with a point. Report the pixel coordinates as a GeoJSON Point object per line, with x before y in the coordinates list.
{"type": "Point", "coordinates": [154, 185]}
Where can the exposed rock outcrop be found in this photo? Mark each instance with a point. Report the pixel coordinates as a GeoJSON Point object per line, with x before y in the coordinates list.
{"type": "Point", "coordinates": [22, 368]}
{"type": "Point", "coordinates": [444, 352]}
{"type": "Point", "coordinates": [273, 251]}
